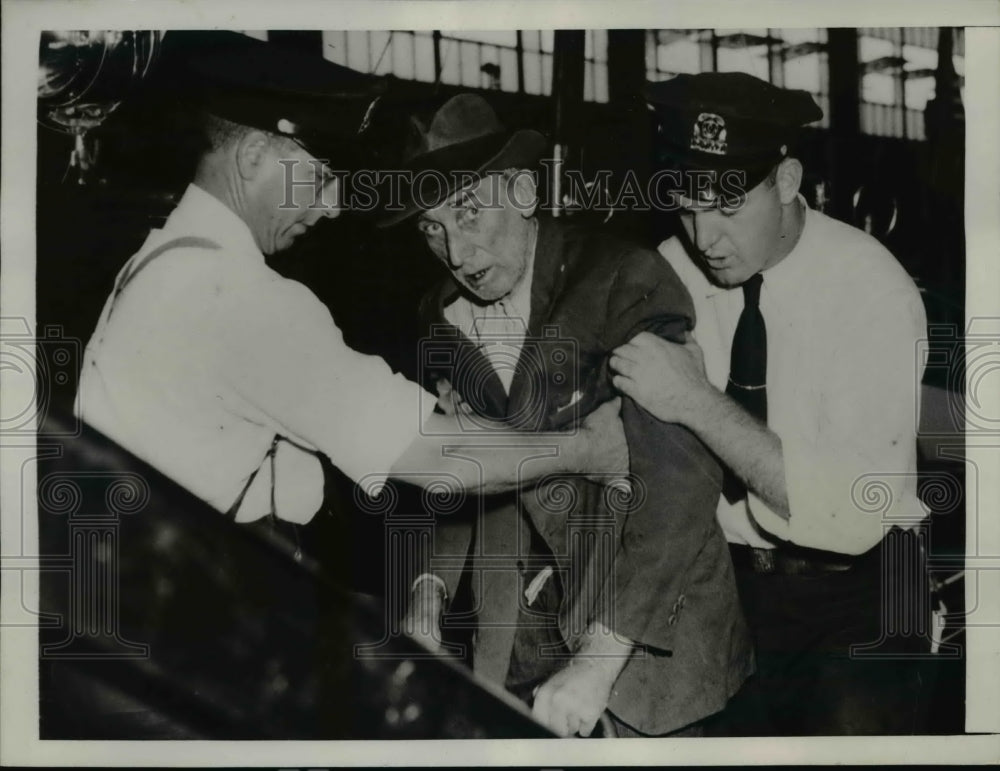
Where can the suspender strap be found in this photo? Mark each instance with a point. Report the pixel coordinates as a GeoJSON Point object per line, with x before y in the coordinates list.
{"type": "Point", "coordinates": [185, 242]}
{"type": "Point", "coordinates": [231, 513]}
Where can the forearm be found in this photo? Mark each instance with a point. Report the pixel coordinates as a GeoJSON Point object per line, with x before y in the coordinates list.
{"type": "Point", "coordinates": [745, 445]}
{"type": "Point", "coordinates": [493, 458]}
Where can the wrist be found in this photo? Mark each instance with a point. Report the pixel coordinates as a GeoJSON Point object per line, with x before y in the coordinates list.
{"type": "Point", "coordinates": [706, 403]}
{"type": "Point", "coordinates": [599, 669]}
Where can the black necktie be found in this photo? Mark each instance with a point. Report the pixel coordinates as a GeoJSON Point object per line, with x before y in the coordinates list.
{"type": "Point", "coordinates": [748, 368]}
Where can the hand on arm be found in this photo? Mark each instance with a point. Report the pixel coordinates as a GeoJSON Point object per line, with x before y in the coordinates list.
{"type": "Point", "coordinates": [450, 401]}
{"type": "Point", "coordinates": [352, 407]}
{"type": "Point", "coordinates": [490, 461]}
{"type": "Point", "coordinates": [572, 700]}
{"type": "Point", "coordinates": [668, 380]}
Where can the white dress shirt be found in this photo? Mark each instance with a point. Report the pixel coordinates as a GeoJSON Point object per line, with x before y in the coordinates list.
{"type": "Point", "coordinates": [209, 353]}
{"type": "Point", "coordinates": [843, 385]}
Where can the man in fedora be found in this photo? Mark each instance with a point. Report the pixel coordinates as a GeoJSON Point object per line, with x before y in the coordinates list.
{"type": "Point", "coordinates": [233, 380]}
{"type": "Point", "coordinates": [802, 378]}
{"type": "Point", "coordinates": [583, 601]}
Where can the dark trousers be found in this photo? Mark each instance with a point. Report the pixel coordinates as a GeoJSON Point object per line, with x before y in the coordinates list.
{"type": "Point", "coordinates": [840, 652]}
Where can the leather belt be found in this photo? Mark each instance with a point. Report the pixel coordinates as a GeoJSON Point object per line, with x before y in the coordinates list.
{"type": "Point", "coordinates": [789, 560]}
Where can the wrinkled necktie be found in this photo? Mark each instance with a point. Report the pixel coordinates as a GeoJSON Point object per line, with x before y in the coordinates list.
{"type": "Point", "coordinates": [748, 369]}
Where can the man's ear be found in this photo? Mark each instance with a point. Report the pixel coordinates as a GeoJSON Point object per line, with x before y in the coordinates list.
{"type": "Point", "coordinates": [251, 151]}
{"type": "Point", "coordinates": [522, 192]}
{"type": "Point", "coordinates": [788, 179]}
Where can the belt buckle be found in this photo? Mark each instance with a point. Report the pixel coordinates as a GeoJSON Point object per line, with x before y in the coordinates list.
{"type": "Point", "coordinates": [763, 560]}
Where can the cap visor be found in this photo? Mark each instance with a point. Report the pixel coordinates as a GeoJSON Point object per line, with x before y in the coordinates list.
{"type": "Point", "coordinates": [709, 178]}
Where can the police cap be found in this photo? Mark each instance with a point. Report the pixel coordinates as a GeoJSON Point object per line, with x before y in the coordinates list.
{"type": "Point", "coordinates": [320, 105]}
{"type": "Point", "coordinates": [719, 121]}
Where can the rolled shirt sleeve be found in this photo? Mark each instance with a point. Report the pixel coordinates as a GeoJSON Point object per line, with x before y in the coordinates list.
{"type": "Point", "coordinates": [852, 476]}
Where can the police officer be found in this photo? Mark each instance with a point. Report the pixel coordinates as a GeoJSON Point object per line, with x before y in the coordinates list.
{"type": "Point", "coordinates": [801, 377]}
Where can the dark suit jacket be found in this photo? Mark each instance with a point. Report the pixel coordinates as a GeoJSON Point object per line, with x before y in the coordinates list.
{"type": "Point", "coordinates": [655, 568]}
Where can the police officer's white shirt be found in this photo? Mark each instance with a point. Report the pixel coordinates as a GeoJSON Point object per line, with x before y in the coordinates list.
{"type": "Point", "coordinates": [208, 353]}
{"type": "Point", "coordinates": [843, 385]}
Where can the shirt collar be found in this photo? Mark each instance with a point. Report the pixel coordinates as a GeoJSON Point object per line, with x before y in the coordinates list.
{"type": "Point", "coordinates": [199, 213]}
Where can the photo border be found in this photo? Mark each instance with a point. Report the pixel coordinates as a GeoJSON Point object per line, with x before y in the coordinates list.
{"type": "Point", "coordinates": [24, 19]}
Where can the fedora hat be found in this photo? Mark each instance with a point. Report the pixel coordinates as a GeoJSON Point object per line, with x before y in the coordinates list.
{"type": "Point", "coordinates": [464, 137]}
